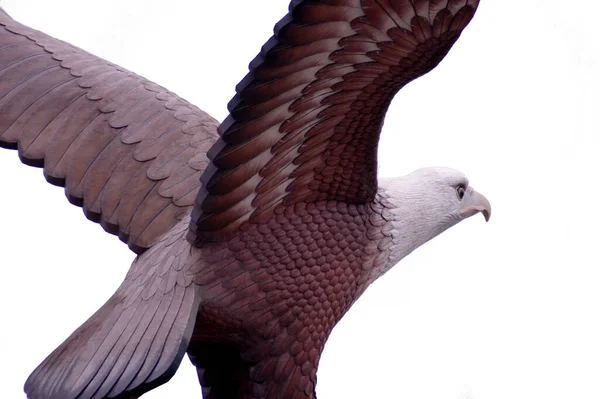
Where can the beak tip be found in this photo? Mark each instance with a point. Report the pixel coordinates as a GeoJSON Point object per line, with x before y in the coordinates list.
{"type": "Point", "coordinates": [487, 215]}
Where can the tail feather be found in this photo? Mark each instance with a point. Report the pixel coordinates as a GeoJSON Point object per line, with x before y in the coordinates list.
{"type": "Point", "coordinates": [124, 368]}
{"type": "Point", "coordinates": [134, 343]}
{"type": "Point", "coordinates": [91, 383]}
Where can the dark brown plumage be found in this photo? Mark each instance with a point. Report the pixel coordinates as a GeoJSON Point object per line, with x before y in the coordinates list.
{"type": "Point", "coordinates": [289, 225]}
{"type": "Point", "coordinates": [305, 121]}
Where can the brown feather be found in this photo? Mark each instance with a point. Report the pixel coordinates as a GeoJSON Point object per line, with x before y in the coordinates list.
{"type": "Point", "coordinates": [348, 59]}
{"type": "Point", "coordinates": [77, 115]}
{"type": "Point", "coordinates": [289, 226]}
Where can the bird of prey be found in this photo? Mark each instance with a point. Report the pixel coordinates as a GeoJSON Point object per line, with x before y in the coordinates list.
{"type": "Point", "coordinates": [254, 236]}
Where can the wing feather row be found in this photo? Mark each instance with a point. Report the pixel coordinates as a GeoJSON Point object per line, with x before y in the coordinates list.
{"type": "Point", "coordinates": [305, 122]}
{"type": "Point", "coordinates": [125, 149]}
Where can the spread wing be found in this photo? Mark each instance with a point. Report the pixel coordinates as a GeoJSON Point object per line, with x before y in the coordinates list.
{"type": "Point", "coordinates": [305, 122]}
{"type": "Point", "coordinates": [125, 149]}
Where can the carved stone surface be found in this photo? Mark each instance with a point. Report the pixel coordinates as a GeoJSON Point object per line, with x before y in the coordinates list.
{"type": "Point", "coordinates": [253, 242]}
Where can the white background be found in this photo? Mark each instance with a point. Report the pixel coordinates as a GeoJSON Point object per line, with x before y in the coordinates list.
{"type": "Point", "coordinates": [496, 311]}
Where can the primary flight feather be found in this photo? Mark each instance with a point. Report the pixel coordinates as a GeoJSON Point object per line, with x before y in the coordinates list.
{"type": "Point", "coordinates": [255, 236]}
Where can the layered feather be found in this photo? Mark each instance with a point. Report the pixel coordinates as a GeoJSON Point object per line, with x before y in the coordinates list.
{"type": "Point", "coordinates": [305, 122]}
{"type": "Point", "coordinates": [136, 341]}
{"type": "Point", "coordinates": [125, 149]}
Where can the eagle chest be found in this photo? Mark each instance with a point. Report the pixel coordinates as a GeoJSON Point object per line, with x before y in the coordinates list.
{"type": "Point", "coordinates": [296, 274]}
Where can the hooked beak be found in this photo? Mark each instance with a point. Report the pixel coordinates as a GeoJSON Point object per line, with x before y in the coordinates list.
{"type": "Point", "coordinates": [473, 202]}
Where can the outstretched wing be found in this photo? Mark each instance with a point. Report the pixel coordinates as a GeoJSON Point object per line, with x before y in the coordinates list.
{"type": "Point", "coordinates": [305, 122]}
{"type": "Point", "coordinates": [125, 149]}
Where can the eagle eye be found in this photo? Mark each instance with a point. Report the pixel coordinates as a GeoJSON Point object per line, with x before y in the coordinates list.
{"type": "Point", "coordinates": [460, 192]}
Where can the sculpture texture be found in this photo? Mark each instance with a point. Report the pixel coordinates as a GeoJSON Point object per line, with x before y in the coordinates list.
{"type": "Point", "coordinates": [254, 236]}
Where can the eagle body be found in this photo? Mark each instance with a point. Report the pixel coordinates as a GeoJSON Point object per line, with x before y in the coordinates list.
{"type": "Point", "coordinates": [266, 300]}
{"type": "Point", "coordinates": [254, 236]}
{"type": "Point", "coordinates": [279, 288]}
